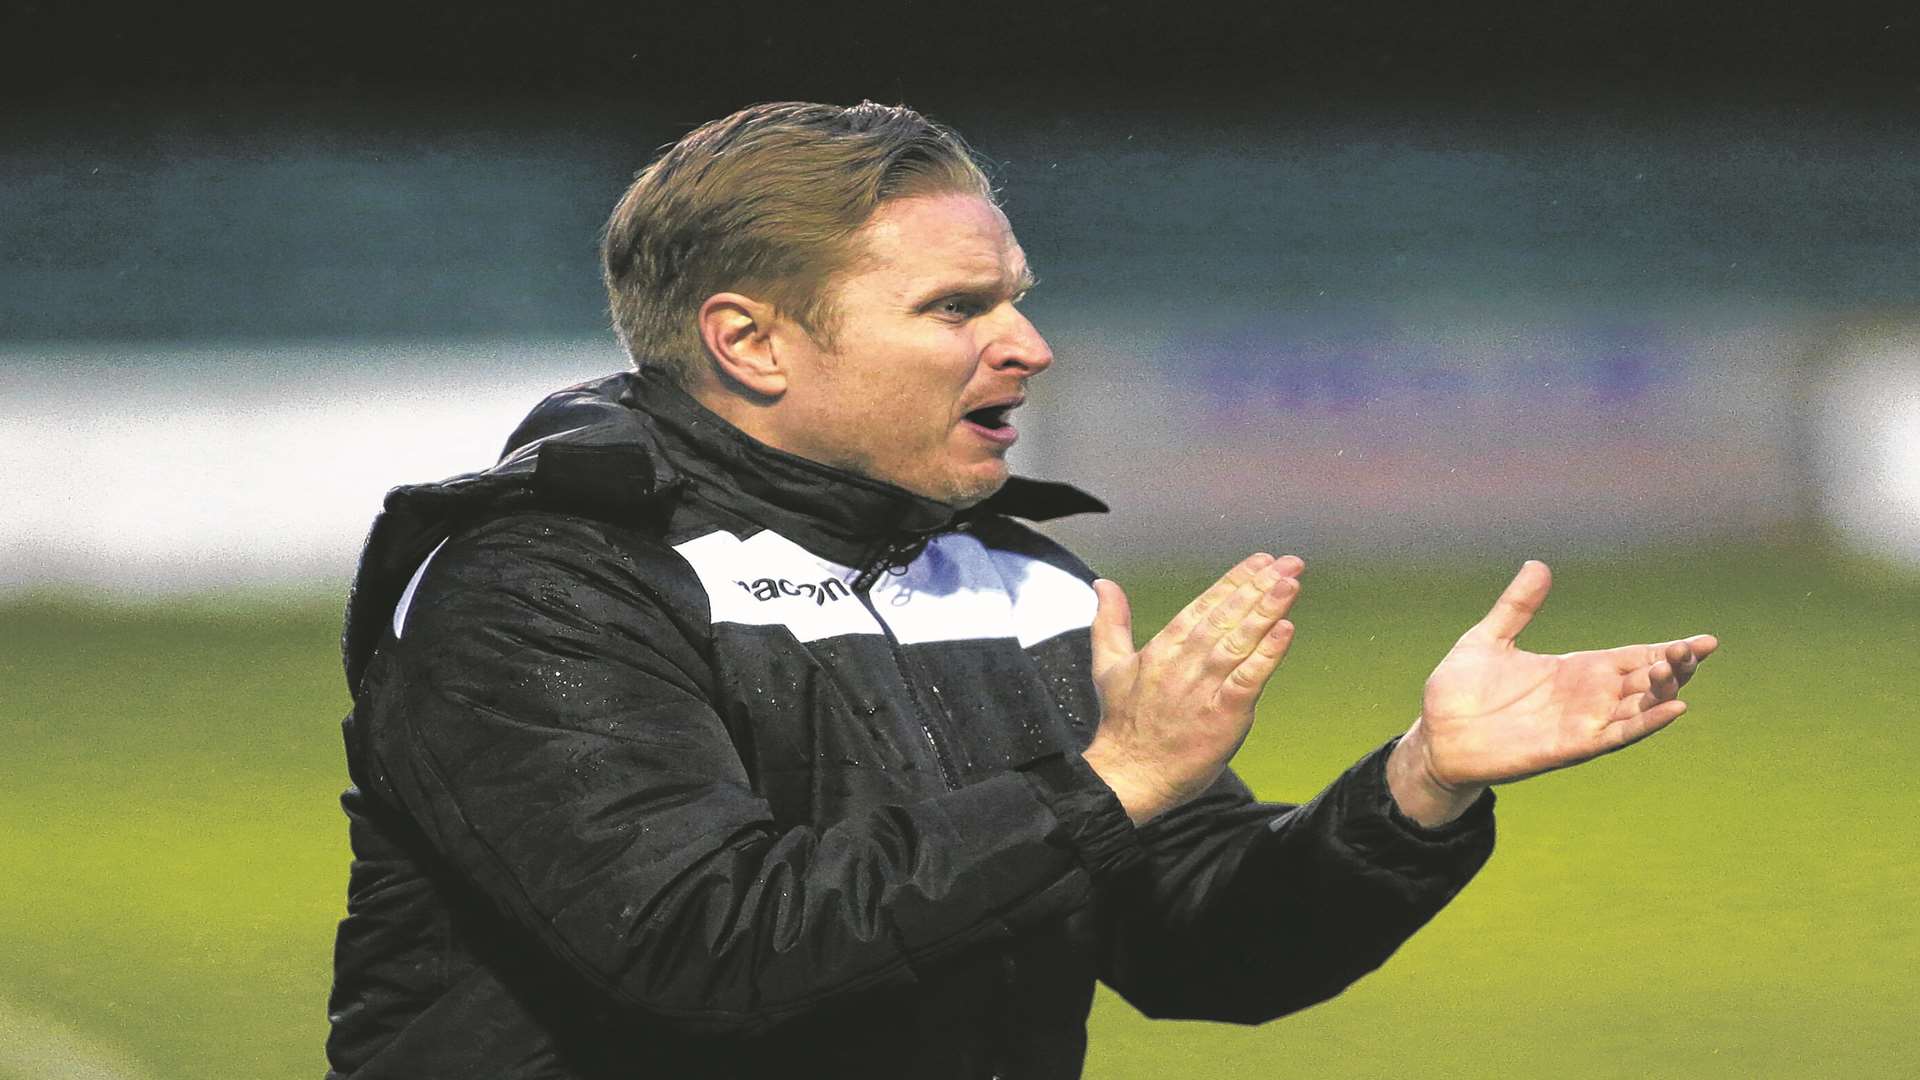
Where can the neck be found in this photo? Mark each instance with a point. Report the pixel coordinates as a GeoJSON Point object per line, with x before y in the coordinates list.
{"type": "Point", "coordinates": [751, 413]}
{"type": "Point", "coordinates": [832, 511]}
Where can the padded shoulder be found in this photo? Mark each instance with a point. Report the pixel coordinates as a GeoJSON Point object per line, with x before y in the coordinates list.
{"type": "Point", "coordinates": [540, 577]}
{"type": "Point", "coordinates": [1003, 533]}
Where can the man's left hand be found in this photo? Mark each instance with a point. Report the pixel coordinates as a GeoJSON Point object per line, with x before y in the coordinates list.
{"type": "Point", "coordinates": [1493, 713]}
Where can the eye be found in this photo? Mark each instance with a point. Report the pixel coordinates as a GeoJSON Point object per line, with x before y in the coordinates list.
{"type": "Point", "coordinates": [960, 307]}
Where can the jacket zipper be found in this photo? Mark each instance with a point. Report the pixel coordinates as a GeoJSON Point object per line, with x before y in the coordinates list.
{"type": "Point", "coordinates": [863, 585]}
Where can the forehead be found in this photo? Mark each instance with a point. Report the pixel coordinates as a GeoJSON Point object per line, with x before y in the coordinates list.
{"type": "Point", "coordinates": [931, 240]}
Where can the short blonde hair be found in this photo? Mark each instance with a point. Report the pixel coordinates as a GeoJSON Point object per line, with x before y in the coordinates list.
{"type": "Point", "coordinates": [765, 202]}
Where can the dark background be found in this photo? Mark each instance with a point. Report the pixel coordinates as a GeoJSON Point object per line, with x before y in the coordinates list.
{"type": "Point", "coordinates": [988, 52]}
{"type": "Point", "coordinates": [194, 172]}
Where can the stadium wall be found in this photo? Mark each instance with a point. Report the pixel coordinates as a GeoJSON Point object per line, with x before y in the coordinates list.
{"type": "Point", "coordinates": [225, 337]}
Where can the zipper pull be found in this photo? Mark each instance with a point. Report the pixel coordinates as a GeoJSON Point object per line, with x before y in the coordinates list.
{"type": "Point", "coordinates": [892, 555]}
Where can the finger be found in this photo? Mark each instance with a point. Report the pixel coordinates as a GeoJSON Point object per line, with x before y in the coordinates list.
{"type": "Point", "coordinates": [1230, 582]}
{"type": "Point", "coordinates": [1679, 656]}
{"type": "Point", "coordinates": [1674, 652]}
{"type": "Point", "coordinates": [1268, 608]}
{"type": "Point", "coordinates": [1112, 627]}
{"type": "Point", "coordinates": [1238, 578]}
{"type": "Point", "coordinates": [1699, 646]}
{"type": "Point", "coordinates": [1634, 657]}
{"type": "Point", "coordinates": [1663, 682]}
{"type": "Point", "coordinates": [1647, 688]}
{"type": "Point", "coordinates": [1517, 605]}
{"type": "Point", "coordinates": [1224, 617]}
{"type": "Point", "coordinates": [1634, 728]}
{"type": "Point", "coordinates": [1634, 683]}
{"type": "Point", "coordinates": [1243, 685]}
{"type": "Point", "coordinates": [1687, 654]}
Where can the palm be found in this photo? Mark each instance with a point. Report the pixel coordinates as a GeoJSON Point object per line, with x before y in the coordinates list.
{"type": "Point", "coordinates": [1495, 713]}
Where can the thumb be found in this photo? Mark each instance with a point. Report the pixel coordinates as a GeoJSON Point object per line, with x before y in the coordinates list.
{"type": "Point", "coordinates": [1112, 627]}
{"type": "Point", "coordinates": [1517, 605]}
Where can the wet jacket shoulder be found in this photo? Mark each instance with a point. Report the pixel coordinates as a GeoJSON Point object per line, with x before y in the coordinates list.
{"type": "Point", "coordinates": [670, 750]}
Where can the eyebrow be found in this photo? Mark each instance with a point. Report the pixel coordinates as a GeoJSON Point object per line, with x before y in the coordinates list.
{"type": "Point", "coordinates": [980, 286]}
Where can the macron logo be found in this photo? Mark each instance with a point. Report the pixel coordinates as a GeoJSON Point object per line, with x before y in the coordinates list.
{"type": "Point", "coordinates": [774, 588]}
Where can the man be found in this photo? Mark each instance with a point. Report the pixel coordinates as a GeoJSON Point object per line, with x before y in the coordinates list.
{"type": "Point", "coordinates": [734, 725]}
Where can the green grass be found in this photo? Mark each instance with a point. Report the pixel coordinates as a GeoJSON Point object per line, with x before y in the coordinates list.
{"type": "Point", "coordinates": [1734, 898]}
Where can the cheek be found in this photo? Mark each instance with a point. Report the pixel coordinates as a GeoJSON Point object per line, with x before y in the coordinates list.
{"type": "Point", "coordinates": [923, 408]}
{"type": "Point", "coordinates": [900, 423]}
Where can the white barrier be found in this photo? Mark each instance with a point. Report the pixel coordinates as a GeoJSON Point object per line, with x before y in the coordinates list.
{"type": "Point", "coordinates": [190, 469]}
{"type": "Point", "coordinates": [141, 469]}
{"type": "Point", "coordinates": [1867, 441]}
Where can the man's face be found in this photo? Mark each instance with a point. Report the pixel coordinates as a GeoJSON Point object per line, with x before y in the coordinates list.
{"type": "Point", "coordinates": [929, 353]}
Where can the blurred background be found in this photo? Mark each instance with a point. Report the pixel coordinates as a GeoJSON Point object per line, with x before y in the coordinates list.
{"type": "Point", "coordinates": [1414, 292]}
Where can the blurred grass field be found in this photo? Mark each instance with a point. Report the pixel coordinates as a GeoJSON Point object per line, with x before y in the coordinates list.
{"type": "Point", "coordinates": [1735, 898]}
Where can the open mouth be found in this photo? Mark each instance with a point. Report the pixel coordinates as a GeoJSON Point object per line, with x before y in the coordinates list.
{"type": "Point", "coordinates": [992, 417]}
{"type": "Point", "coordinates": [990, 422]}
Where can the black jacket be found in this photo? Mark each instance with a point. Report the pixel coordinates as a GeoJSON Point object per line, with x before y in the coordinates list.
{"type": "Point", "coordinates": [691, 758]}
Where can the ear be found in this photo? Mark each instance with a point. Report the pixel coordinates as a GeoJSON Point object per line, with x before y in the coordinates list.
{"type": "Point", "coordinates": [738, 333]}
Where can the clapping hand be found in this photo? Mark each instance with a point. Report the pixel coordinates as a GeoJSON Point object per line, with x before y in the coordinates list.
{"type": "Point", "coordinates": [1493, 712]}
{"type": "Point", "coordinates": [1175, 710]}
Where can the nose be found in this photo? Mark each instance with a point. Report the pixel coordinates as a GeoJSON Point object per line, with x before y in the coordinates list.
{"type": "Point", "coordinates": [1018, 347]}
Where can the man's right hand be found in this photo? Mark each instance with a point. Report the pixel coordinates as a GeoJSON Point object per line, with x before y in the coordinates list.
{"type": "Point", "coordinates": [1175, 711]}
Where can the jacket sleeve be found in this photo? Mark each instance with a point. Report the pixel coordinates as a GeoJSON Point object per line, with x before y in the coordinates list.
{"type": "Point", "coordinates": [1244, 911]}
{"type": "Point", "coordinates": [545, 721]}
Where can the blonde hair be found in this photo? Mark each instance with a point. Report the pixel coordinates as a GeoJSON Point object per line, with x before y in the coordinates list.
{"type": "Point", "coordinates": [765, 202]}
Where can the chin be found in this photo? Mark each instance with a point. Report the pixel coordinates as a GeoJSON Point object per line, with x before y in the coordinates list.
{"type": "Point", "coordinates": [975, 488]}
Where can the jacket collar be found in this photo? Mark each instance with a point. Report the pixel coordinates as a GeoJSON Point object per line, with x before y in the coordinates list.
{"type": "Point", "coordinates": [624, 447]}
{"type": "Point", "coordinates": [830, 511]}
{"type": "Point", "coordinates": [842, 515]}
